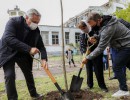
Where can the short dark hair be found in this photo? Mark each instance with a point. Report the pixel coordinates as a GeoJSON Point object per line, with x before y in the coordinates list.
{"type": "Point", "coordinates": [93, 16]}
{"type": "Point", "coordinates": [81, 24]}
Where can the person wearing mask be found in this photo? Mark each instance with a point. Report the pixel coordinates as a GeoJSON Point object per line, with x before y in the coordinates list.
{"type": "Point", "coordinates": [115, 34]}
{"type": "Point", "coordinates": [95, 64]}
{"type": "Point", "coordinates": [20, 40]}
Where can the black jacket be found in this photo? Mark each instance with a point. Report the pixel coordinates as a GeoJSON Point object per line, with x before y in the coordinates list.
{"type": "Point", "coordinates": [84, 39]}
{"type": "Point", "coordinates": [14, 40]}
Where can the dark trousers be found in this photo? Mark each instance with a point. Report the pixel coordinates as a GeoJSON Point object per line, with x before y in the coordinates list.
{"type": "Point", "coordinates": [25, 64]}
{"type": "Point", "coordinates": [97, 65]}
{"type": "Point", "coordinates": [71, 61]}
{"type": "Point", "coordinates": [114, 52]}
{"type": "Point", "coordinates": [121, 58]}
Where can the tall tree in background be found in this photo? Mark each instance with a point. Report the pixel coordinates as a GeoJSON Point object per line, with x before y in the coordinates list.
{"type": "Point", "coordinates": [124, 13]}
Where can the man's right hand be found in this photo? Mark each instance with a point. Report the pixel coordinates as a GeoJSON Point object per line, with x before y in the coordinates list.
{"type": "Point", "coordinates": [92, 40]}
{"type": "Point", "coordinates": [34, 51]}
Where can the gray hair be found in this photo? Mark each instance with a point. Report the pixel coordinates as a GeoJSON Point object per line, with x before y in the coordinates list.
{"type": "Point", "coordinates": [32, 12]}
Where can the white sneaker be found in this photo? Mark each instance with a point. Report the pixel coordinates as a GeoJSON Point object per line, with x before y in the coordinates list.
{"type": "Point", "coordinates": [121, 93]}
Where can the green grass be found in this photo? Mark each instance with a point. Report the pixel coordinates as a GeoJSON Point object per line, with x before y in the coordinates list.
{"type": "Point", "coordinates": [45, 85]}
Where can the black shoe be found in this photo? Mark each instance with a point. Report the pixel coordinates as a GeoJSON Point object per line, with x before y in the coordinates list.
{"type": "Point", "coordinates": [38, 97]}
{"type": "Point", "coordinates": [111, 78]}
{"type": "Point", "coordinates": [104, 89]}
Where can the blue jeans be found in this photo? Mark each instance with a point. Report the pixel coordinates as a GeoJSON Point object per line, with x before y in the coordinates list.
{"type": "Point", "coordinates": [121, 58]}
{"type": "Point", "coordinates": [113, 52]}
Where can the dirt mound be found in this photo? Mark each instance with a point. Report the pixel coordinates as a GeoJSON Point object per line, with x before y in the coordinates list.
{"type": "Point", "coordinates": [81, 95]}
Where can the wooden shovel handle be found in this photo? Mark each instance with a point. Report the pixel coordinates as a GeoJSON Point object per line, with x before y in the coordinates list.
{"type": "Point", "coordinates": [108, 56]}
{"type": "Point", "coordinates": [87, 53]}
{"type": "Point", "coordinates": [49, 74]}
{"type": "Point", "coordinates": [82, 65]}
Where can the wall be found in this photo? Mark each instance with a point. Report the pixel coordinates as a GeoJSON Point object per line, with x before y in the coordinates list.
{"type": "Point", "coordinates": [56, 49]}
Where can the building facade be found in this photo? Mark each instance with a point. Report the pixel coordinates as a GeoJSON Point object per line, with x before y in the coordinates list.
{"type": "Point", "coordinates": [52, 38]}
{"type": "Point", "coordinates": [15, 12]}
{"type": "Point", "coordinates": [106, 9]}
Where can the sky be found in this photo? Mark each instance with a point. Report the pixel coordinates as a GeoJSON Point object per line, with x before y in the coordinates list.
{"type": "Point", "coordinates": [49, 9]}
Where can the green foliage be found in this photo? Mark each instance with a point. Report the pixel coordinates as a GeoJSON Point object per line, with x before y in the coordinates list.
{"type": "Point", "coordinates": [124, 14]}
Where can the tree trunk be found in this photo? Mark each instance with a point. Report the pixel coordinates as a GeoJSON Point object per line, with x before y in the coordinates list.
{"type": "Point", "coordinates": [63, 56]}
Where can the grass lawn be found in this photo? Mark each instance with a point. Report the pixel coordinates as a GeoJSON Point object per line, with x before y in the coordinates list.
{"type": "Point", "coordinates": [45, 85]}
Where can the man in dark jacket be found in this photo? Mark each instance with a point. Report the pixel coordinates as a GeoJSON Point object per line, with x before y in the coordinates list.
{"type": "Point", "coordinates": [95, 64]}
{"type": "Point", "coordinates": [117, 35]}
{"type": "Point", "coordinates": [21, 39]}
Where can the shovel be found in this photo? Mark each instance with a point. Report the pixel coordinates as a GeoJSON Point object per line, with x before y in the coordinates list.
{"type": "Point", "coordinates": [64, 95]}
{"type": "Point", "coordinates": [76, 82]}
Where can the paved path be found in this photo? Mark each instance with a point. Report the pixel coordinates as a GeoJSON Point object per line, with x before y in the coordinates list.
{"type": "Point", "coordinates": [55, 69]}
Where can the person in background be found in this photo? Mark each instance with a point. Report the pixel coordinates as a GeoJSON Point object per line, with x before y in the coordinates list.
{"type": "Point", "coordinates": [97, 63]}
{"type": "Point", "coordinates": [69, 56]}
{"type": "Point", "coordinates": [123, 68]}
{"type": "Point", "coordinates": [115, 34]}
{"type": "Point", "coordinates": [105, 59]}
{"type": "Point", "coordinates": [20, 40]}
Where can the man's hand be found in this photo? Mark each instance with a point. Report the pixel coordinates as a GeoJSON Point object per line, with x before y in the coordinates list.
{"type": "Point", "coordinates": [92, 40]}
{"type": "Point", "coordinates": [108, 49]}
{"type": "Point", "coordinates": [44, 64]}
{"type": "Point", "coordinates": [85, 60]}
{"type": "Point", "coordinates": [34, 51]}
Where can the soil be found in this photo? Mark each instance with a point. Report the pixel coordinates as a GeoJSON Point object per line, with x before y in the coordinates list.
{"type": "Point", "coordinates": [81, 95]}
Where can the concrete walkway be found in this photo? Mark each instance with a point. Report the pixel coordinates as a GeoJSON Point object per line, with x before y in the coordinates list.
{"type": "Point", "coordinates": [56, 69]}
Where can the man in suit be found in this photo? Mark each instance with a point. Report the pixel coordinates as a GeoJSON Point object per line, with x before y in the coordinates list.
{"type": "Point", "coordinates": [21, 39]}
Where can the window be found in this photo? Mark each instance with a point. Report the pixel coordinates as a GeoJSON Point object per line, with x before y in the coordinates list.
{"type": "Point", "coordinates": [20, 13]}
{"type": "Point", "coordinates": [77, 37]}
{"type": "Point", "coordinates": [45, 37]}
{"type": "Point", "coordinates": [67, 37]}
{"type": "Point", "coordinates": [55, 38]}
{"type": "Point", "coordinates": [13, 13]}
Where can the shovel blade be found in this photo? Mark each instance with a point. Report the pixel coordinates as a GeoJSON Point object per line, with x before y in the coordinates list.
{"type": "Point", "coordinates": [67, 96]}
{"type": "Point", "coordinates": [76, 83]}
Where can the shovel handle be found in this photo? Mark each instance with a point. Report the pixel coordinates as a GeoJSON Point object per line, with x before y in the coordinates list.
{"type": "Point", "coordinates": [82, 64]}
{"type": "Point", "coordinates": [49, 74]}
{"type": "Point", "coordinates": [53, 79]}
{"type": "Point", "coordinates": [80, 72]}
